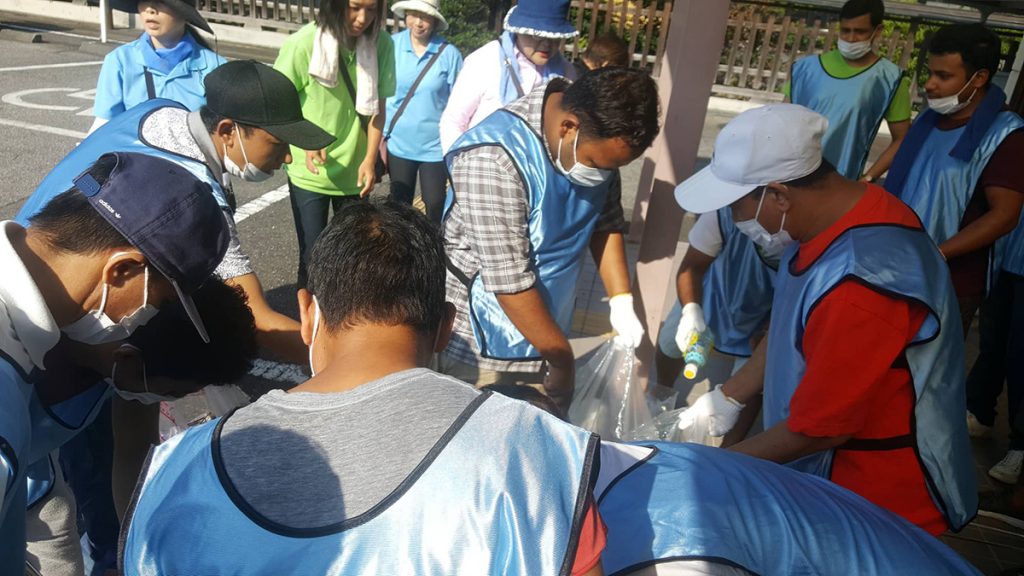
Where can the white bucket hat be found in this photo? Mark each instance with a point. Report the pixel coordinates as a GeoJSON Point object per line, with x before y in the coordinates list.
{"type": "Point", "coordinates": [773, 143]}
{"type": "Point", "coordinates": [428, 7]}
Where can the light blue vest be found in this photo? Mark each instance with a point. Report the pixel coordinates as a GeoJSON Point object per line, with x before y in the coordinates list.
{"type": "Point", "coordinates": [696, 502]}
{"type": "Point", "coordinates": [122, 134]}
{"type": "Point", "coordinates": [855, 107]}
{"type": "Point", "coordinates": [561, 219]}
{"type": "Point", "coordinates": [938, 186]}
{"type": "Point", "coordinates": [738, 288]}
{"type": "Point", "coordinates": [503, 492]}
{"type": "Point", "coordinates": [902, 262]}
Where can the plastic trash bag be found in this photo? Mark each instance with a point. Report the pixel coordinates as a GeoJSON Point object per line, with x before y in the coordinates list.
{"type": "Point", "coordinates": [609, 400]}
{"type": "Point", "coordinates": [666, 426]}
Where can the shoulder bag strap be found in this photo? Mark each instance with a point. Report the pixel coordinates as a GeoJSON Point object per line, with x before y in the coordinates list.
{"type": "Point", "coordinates": [343, 69]}
{"type": "Point", "coordinates": [412, 89]}
{"type": "Point", "coordinates": [150, 86]}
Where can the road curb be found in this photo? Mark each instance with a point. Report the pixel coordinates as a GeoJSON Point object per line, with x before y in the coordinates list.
{"type": "Point", "coordinates": [21, 36]}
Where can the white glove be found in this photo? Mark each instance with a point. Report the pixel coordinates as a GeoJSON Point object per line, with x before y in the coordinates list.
{"type": "Point", "coordinates": [691, 322]}
{"type": "Point", "coordinates": [624, 321]}
{"type": "Point", "coordinates": [714, 410]}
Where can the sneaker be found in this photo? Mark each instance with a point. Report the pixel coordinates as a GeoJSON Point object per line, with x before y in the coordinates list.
{"type": "Point", "coordinates": [1008, 469]}
{"type": "Point", "coordinates": [976, 429]}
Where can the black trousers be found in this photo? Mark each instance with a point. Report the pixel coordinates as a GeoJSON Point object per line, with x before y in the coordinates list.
{"type": "Point", "coordinates": [433, 176]}
{"type": "Point", "coordinates": [311, 211]}
{"type": "Point", "coordinates": [1001, 357]}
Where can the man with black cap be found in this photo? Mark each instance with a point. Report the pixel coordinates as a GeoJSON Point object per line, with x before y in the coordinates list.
{"type": "Point", "coordinates": [251, 116]}
{"type": "Point", "coordinates": [133, 233]}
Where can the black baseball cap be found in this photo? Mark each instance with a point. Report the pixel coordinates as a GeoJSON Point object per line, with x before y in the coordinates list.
{"type": "Point", "coordinates": [256, 94]}
{"type": "Point", "coordinates": [168, 214]}
{"type": "Point", "coordinates": [185, 9]}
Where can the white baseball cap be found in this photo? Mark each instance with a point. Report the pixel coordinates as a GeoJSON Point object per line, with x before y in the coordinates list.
{"type": "Point", "coordinates": [774, 143]}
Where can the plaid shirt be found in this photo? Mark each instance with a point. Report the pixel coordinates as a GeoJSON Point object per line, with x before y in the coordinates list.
{"type": "Point", "coordinates": [487, 230]}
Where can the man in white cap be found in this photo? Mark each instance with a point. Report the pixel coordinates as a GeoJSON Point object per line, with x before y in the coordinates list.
{"type": "Point", "coordinates": [862, 369]}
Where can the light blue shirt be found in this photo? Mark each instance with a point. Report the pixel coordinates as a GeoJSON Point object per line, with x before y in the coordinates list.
{"type": "Point", "coordinates": [122, 82]}
{"type": "Point", "coordinates": [416, 136]}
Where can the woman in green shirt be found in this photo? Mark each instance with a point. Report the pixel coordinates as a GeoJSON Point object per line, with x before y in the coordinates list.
{"type": "Point", "coordinates": [343, 69]}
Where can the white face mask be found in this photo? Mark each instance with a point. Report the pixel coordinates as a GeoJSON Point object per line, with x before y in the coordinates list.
{"type": "Point", "coordinates": [855, 50]}
{"type": "Point", "coordinates": [251, 173]}
{"type": "Point", "coordinates": [146, 397]}
{"type": "Point", "coordinates": [951, 104]}
{"type": "Point", "coordinates": [772, 245]}
{"type": "Point", "coordinates": [312, 339]}
{"type": "Point", "coordinates": [580, 174]}
{"type": "Point", "coordinates": [97, 328]}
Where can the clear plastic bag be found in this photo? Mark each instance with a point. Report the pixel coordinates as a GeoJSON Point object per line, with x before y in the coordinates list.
{"type": "Point", "coordinates": [609, 400]}
{"type": "Point", "coordinates": [665, 426]}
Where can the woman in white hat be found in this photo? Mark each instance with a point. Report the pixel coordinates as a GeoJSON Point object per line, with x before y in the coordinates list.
{"type": "Point", "coordinates": [527, 54]}
{"type": "Point", "coordinates": [425, 71]}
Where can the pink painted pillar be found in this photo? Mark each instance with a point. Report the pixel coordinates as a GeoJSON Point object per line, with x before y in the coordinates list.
{"type": "Point", "coordinates": [693, 48]}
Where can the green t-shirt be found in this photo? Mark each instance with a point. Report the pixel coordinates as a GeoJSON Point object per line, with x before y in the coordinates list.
{"type": "Point", "coordinates": [838, 67]}
{"type": "Point", "coordinates": [333, 110]}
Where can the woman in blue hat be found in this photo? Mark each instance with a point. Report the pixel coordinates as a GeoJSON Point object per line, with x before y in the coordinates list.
{"type": "Point", "coordinates": [527, 54]}
{"type": "Point", "coordinates": [169, 60]}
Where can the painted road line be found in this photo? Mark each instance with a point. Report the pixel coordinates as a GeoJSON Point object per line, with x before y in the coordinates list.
{"type": "Point", "coordinates": [58, 33]}
{"type": "Point", "coordinates": [253, 207]}
{"type": "Point", "coordinates": [43, 128]}
{"type": "Point", "coordinates": [47, 66]}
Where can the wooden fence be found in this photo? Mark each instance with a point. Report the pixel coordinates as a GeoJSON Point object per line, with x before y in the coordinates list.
{"type": "Point", "coordinates": [760, 48]}
{"type": "Point", "coordinates": [642, 26]}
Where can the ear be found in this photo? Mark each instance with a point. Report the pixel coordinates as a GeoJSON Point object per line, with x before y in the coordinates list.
{"type": "Point", "coordinates": [225, 130]}
{"type": "Point", "coordinates": [444, 331]}
{"type": "Point", "coordinates": [981, 78]}
{"type": "Point", "coordinates": [569, 122]}
{"type": "Point", "coordinates": [780, 195]}
{"type": "Point", "coordinates": [123, 267]}
{"type": "Point", "coordinates": [307, 312]}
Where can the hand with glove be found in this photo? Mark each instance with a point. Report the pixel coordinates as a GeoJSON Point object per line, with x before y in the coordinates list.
{"type": "Point", "coordinates": [713, 414]}
{"type": "Point", "coordinates": [691, 324]}
{"type": "Point", "coordinates": [624, 321]}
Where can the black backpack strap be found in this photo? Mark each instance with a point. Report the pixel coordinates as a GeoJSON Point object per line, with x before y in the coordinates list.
{"type": "Point", "coordinates": [412, 90]}
{"type": "Point", "coordinates": [150, 86]}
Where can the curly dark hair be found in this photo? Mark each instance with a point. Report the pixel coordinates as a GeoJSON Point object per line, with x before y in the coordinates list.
{"type": "Point", "coordinates": [615, 102]}
{"type": "Point", "coordinates": [172, 348]}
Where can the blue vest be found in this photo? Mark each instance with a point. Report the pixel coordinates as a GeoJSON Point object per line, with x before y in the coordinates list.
{"type": "Point", "coordinates": [561, 219]}
{"type": "Point", "coordinates": [938, 186]}
{"type": "Point", "coordinates": [738, 288]}
{"type": "Point", "coordinates": [503, 492]}
{"type": "Point", "coordinates": [694, 502]}
{"type": "Point", "coordinates": [902, 262]}
{"type": "Point", "coordinates": [122, 134]}
{"type": "Point", "coordinates": [855, 107]}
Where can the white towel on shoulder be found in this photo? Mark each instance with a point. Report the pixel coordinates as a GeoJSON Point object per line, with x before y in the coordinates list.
{"type": "Point", "coordinates": [324, 62]}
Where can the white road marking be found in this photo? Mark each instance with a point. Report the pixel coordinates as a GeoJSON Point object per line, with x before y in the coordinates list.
{"type": "Point", "coordinates": [46, 66]}
{"type": "Point", "coordinates": [18, 99]}
{"type": "Point", "coordinates": [43, 128]}
{"type": "Point", "coordinates": [58, 33]}
{"type": "Point", "coordinates": [253, 207]}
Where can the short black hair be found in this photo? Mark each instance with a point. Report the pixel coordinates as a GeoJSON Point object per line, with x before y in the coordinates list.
{"type": "Point", "coordinates": [211, 119]}
{"type": "Point", "coordinates": [379, 262]}
{"type": "Point", "coordinates": [855, 8]}
{"type": "Point", "coordinates": [70, 224]}
{"type": "Point", "coordinates": [615, 102]}
{"type": "Point", "coordinates": [823, 171]}
{"type": "Point", "coordinates": [976, 44]}
{"type": "Point", "coordinates": [172, 348]}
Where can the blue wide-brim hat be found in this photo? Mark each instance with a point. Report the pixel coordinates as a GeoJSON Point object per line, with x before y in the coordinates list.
{"type": "Point", "coordinates": [542, 18]}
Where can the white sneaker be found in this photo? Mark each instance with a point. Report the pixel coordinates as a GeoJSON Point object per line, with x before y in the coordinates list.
{"type": "Point", "coordinates": [1008, 469]}
{"type": "Point", "coordinates": [976, 429]}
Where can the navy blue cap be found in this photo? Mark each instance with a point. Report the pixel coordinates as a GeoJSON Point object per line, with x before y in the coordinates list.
{"type": "Point", "coordinates": [168, 214]}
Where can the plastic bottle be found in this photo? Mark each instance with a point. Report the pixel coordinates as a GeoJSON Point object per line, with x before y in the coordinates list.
{"type": "Point", "coordinates": [696, 354]}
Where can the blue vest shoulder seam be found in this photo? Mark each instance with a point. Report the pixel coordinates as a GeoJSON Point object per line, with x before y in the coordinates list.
{"type": "Point", "coordinates": [267, 524]}
{"type": "Point", "coordinates": [129, 513]}
{"type": "Point", "coordinates": [628, 471]}
{"type": "Point", "coordinates": [792, 263]}
{"type": "Point", "coordinates": [859, 72]}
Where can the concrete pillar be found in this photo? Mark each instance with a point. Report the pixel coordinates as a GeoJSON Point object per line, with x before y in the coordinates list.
{"type": "Point", "coordinates": [693, 50]}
